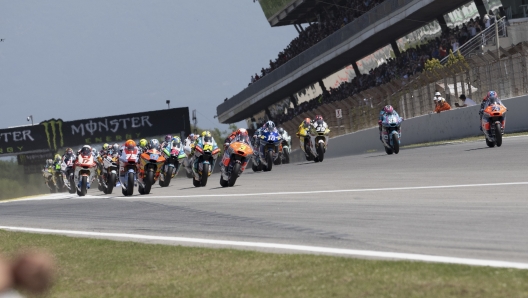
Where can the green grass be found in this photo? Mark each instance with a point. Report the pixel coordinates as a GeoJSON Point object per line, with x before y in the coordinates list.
{"type": "Point", "coordinates": [271, 7]}
{"type": "Point", "coordinates": [104, 268]}
{"type": "Point", "coordinates": [14, 183]}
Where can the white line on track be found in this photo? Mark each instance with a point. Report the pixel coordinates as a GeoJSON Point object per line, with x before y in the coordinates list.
{"type": "Point", "coordinates": [299, 248]}
{"type": "Point", "coordinates": [67, 196]}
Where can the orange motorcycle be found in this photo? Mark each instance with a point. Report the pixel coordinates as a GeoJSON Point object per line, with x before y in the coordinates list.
{"type": "Point", "coordinates": [150, 164]}
{"type": "Point", "coordinates": [234, 162]}
{"type": "Point", "coordinates": [493, 122]}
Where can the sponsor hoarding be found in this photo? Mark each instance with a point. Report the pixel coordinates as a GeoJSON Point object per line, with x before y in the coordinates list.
{"type": "Point", "coordinates": [53, 134]}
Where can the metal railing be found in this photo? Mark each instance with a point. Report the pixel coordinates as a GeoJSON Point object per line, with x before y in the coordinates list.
{"type": "Point", "coordinates": [477, 42]}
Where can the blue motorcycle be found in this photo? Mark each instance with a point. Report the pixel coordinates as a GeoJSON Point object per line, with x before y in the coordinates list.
{"type": "Point", "coordinates": [269, 149]}
{"type": "Point", "coordinates": [391, 133]}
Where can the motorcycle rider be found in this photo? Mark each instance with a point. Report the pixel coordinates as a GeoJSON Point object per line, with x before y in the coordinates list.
{"type": "Point", "coordinates": [166, 142]}
{"type": "Point", "coordinates": [240, 134]}
{"type": "Point", "coordinates": [143, 145]}
{"type": "Point", "coordinates": [68, 154]}
{"type": "Point", "coordinates": [129, 145]}
{"type": "Point", "coordinates": [490, 96]}
{"type": "Point", "coordinates": [284, 134]}
{"type": "Point", "coordinates": [154, 144]}
{"type": "Point", "coordinates": [207, 137]}
{"type": "Point", "coordinates": [387, 111]}
{"type": "Point", "coordinates": [104, 150]}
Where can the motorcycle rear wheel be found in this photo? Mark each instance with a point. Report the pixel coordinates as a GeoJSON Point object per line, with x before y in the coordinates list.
{"type": "Point", "coordinates": [168, 177]}
{"type": "Point", "coordinates": [234, 174]}
{"type": "Point", "coordinates": [286, 157]}
{"type": "Point", "coordinates": [490, 144]}
{"type": "Point", "coordinates": [196, 183]}
{"type": "Point", "coordinates": [72, 186]}
{"type": "Point", "coordinates": [498, 134]}
{"type": "Point", "coordinates": [223, 182]}
{"type": "Point", "coordinates": [388, 151]}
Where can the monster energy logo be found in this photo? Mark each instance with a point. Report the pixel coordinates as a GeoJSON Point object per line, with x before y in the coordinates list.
{"type": "Point", "coordinates": [53, 129]}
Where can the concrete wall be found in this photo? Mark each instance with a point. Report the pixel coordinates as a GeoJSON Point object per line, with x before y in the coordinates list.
{"type": "Point", "coordinates": [449, 125]}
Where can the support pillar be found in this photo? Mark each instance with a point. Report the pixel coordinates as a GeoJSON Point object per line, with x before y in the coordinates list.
{"type": "Point", "coordinates": [395, 48]}
{"type": "Point", "coordinates": [481, 8]}
{"type": "Point", "coordinates": [442, 22]}
{"type": "Point", "coordinates": [356, 69]}
{"type": "Point", "coordinates": [321, 84]}
{"type": "Point", "coordinates": [300, 26]}
{"type": "Point", "coordinates": [296, 28]}
{"type": "Point", "coordinates": [293, 101]}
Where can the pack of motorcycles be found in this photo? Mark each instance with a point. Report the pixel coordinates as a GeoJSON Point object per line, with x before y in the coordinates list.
{"type": "Point", "coordinates": [151, 166]}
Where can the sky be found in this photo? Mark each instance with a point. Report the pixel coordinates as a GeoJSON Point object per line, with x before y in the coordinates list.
{"type": "Point", "coordinates": [82, 59]}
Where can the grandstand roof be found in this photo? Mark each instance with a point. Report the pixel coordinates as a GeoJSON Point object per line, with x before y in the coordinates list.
{"type": "Point", "coordinates": [300, 12]}
{"type": "Point", "coordinates": [388, 21]}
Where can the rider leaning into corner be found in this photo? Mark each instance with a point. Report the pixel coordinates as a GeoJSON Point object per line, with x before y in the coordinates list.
{"type": "Point", "coordinates": [491, 96]}
{"type": "Point", "coordinates": [386, 111]}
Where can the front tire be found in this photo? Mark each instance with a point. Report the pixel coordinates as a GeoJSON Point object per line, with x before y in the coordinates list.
{"type": "Point", "coordinates": [83, 190]}
{"type": "Point", "coordinates": [269, 160]}
{"type": "Point", "coordinates": [168, 177]}
{"type": "Point", "coordinates": [234, 174]}
{"type": "Point", "coordinates": [149, 181]}
{"type": "Point", "coordinates": [130, 184]}
{"type": "Point", "coordinates": [498, 134]}
{"type": "Point", "coordinates": [205, 174]}
{"type": "Point", "coordinates": [110, 183]}
{"type": "Point", "coordinates": [320, 151]}
{"type": "Point", "coordinates": [223, 182]}
{"type": "Point", "coordinates": [286, 157]}
{"type": "Point", "coordinates": [388, 151]}
{"type": "Point", "coordinates": [395, 144]}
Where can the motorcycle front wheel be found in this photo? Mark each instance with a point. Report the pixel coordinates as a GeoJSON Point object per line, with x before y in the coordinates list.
{"type": "Point", "coordinates": [490, 144]}
{"type": "Point", "coordinates": [149, 180]}
{"type": "Point", "coordinates": [130, 184]}
{"type": "Point", "coordinates": [83, 190]}
{"type": "Point", "coordinates": [286, 157]}
{"type": "Point", "coordinates": [234, 174]}
{"type": "Point", "coordinates": [110, 183]}
{"type": "Point", "coordinates": [269, 160]}
{"type": "Point", "coordinates": [498, 134]}
{"type": "Point", "coordinates": [168, 178]}
{"type": "Point", "coordinates": [395, 144]}
{"type": "Point", "coordinates": [320, 151]}
{"type": "Point", "coordinates": [205, 174]}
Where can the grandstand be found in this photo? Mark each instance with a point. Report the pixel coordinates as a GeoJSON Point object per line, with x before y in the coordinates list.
{"type": "Point", "coordinates": [372, 43]}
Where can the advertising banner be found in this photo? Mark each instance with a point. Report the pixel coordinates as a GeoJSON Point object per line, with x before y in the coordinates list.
{"type": "Point", "coordinates": [53, 134]}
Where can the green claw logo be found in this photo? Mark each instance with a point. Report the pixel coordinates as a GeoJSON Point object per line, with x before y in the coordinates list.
{"type": "Point", "coordinates": [53, 129]}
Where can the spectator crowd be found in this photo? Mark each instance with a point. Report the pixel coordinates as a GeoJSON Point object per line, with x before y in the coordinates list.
{"type": "Point", "coordinates": [331, 20]}
{"type": "Point", "coordinates": [407, 65]}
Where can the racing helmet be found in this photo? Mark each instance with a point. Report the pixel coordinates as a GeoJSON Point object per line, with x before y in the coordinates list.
{"type": "Point", "coordinates": [168, 138]}
{"type": "Point", "coordinates": [130, 144]}
{"type": "Point", "coordinates": [207, 136]}
{"type": "Point", "coordinates": [154, 144]}
{"type": "Point", "coordinates": [270, 125]}
{"type": "Point", "coordinates": [68, 151]}
{"type": "Point", "coordinates": [106, 146]}
{"type": "Point", "coordinates": [115, 147]}
{"type": "Point", "coordinates": [191, 136]}
{"type": "Point", "coordinates": [281, 130]}
{"type": "Point", "coordinates": [492, 94]}
{"type": "Point", "coordinates": [307, 122]}
{"type": "Point", "coordinates": [388, 109]}
{"type": "Point", "coordinates": [242, 132]}
{"type": "Point", "coordinates": [176, 141]}
{"type": "Point", "coordinates": [57, 157]}
{"type": "Point", "coordinates": [86, 150]}
{"type": "Point", "coordinates": [143, 143]}
{"type": "Point", "coordinates": [318, 117]}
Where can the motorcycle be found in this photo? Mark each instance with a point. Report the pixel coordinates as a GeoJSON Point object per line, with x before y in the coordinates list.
{"type": "Point", "coordinates": [47, 173]}
{"type": "Point", "coordinates": [174, 157]}
{"type": "Point", "coordinates": [58, 178]}
{"type": "Point", "coordinates": [205, 154]}
{"type": "Point", "coordinates": [234, 162]}
{"type": "Point", "coordinates": [270, 141]}
{"type": "Point", "coordinates": [187, 160]}
{"type": "Point", "coordinates": [493, 122]}
{"type": "Point", "coordinates": [84, 172]}
{"type": "Point", "coordinates": [284, 150]}
{"type": "Point", "coordinates": [107, 171]}
{"type": "Point", "coordinates": [68, 174]}
{"type": "Point", "coordinates": [391, 133]}
{"type": "Point", "coordinates": [127, 170]}
{"type": "Point", "coordinates": [150, 164]}
{"type": "Point", "coordinates": [256, 165]}
{"type": "Point", "coordinates": [315, 141]}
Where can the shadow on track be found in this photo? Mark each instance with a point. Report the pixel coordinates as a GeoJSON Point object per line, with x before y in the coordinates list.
{"type": "Point", "coordinates": [478, 149]}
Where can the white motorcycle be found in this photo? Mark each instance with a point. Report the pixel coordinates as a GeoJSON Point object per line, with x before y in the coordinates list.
{"type": "Point", "coordinates": [315, 141]}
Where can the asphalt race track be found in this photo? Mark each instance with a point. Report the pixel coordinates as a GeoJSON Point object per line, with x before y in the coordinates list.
{"type": "Point", "coordinates": [459, 200]}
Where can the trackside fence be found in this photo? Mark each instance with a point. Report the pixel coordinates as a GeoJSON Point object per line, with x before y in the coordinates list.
{"type": "Point", "coordinates": [504, 71]}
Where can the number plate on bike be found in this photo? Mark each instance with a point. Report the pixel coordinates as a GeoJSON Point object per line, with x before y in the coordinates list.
{"type": "Point", "coordinates": [154, 156]}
